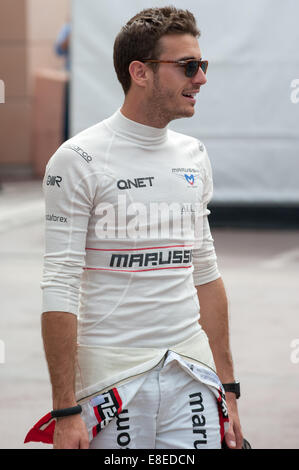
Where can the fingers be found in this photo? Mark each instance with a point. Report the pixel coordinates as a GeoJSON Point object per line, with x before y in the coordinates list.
{"type": "Point", "coordinates": [239, 437]}
{"type": "Point", "coordinates": [84, 443]}
{"type": "Point", "coordinates": [230, 439]}
{"type": "Point", "coordinates": [71, 433]}
{"type": "Point", "coordinates": [234, 437]}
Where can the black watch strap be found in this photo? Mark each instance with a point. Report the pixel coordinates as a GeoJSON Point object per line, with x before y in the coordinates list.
{"type": "Point", "coordinates": [74, 410]}
{"type": "Point", "coordinates": [233, 387]}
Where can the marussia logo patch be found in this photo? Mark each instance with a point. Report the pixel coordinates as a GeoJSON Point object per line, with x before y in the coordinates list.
{"type": "Point", "coordinates": [191, 176]}
{"type": "Point", "coordinates": [189, 179]}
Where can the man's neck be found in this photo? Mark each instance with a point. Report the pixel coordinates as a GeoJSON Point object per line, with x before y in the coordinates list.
{"type": "Point", "coordinates": [143, 114]}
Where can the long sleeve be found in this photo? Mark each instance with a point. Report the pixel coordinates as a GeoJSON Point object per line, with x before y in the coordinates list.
{"type": "Point", "coordinates": [68, 192]}
{"type": "Point", "coordinates": [204, 255]}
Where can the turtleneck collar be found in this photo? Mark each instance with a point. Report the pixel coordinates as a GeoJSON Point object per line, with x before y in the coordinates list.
{"type": "Point", "coordinates": [134, 131]}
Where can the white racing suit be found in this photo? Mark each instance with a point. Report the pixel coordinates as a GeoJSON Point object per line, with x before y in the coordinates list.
{"type": "Point", "coordinates": [127, 243]}
{"type": "Point", "coordinates": [177, 405]}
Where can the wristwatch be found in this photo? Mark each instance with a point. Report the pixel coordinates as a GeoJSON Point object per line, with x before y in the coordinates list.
{"type": "Point", "coordinates": [233, 387]}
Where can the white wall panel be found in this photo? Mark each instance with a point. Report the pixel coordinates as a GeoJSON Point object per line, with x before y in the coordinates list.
{"type": "Point", "coordinates": [245, 115]}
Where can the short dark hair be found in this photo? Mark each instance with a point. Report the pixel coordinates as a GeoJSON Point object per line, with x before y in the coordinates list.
{"type": "Point", "coordinates": [139, 38]}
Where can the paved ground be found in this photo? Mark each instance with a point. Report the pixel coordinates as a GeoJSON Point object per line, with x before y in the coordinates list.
{"type": "Point", "coordinates": [260, 270]}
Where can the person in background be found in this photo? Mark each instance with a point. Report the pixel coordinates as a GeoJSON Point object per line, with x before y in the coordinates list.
{"type": "Point", "coordinates": [62, 49]}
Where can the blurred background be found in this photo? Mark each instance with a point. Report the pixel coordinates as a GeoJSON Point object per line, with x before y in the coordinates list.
{"type": "Point", "coordinates": [57, 78]}
{"type": "Point", "coordinates": [32, 72]}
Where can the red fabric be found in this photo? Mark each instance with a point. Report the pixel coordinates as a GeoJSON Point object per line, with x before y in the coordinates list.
{"type": "Point", "coordinates": [115, 391]}
{"type": "Point", "coordinates": [222, 418]}
{"type": "Point", "coordinates": [112, 401]}
{"type": "Point", "coordinates": [42, 431]}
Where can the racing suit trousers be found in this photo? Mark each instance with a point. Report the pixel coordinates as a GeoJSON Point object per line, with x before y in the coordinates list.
{"type": "Point", "coordinates": [171, 410]}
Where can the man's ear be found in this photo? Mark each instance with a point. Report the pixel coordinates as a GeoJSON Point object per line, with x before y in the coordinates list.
{"type": "Point", "coordinates": [139, 73]}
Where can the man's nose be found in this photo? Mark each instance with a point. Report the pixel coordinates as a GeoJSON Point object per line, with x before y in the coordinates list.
{"type": "Point", "coordinates": [200, 78]}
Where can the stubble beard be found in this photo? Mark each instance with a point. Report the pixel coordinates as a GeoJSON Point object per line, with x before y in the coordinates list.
{"type": "Point", "coordinates": [162, 107]}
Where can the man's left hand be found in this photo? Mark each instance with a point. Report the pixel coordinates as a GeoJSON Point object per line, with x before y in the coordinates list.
{"type": "Point", "coordinates": [233, 437]}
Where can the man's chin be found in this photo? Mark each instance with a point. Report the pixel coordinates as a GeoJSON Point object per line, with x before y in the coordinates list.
{"type": "Point", "coordinates": [185, 113]}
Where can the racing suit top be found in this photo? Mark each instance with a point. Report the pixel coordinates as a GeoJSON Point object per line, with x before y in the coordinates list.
{"type": "Point", "coordinates": [127, 240]}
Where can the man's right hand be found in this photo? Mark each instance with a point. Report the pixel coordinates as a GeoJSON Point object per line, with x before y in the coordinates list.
{"type": "Point", "coordinates": [70, 433]}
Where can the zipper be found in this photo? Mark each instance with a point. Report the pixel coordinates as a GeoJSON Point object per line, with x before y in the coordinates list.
{"type": "Point", "coordinates": [141, 373]}
{"type": "Point", "coordinates": [115, 383]}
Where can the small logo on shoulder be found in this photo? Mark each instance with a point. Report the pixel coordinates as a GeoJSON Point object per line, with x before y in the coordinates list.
{"type": "Point", "coordinates": [54, 180]}
{"type": "Point", "coordinates": [80, 152]}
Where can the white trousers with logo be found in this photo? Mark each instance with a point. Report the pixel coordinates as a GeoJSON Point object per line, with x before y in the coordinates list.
{"type": "Point", "coordinates": [171, 410]}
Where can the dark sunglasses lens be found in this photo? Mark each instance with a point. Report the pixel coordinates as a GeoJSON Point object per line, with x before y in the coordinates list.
{"type": "Point", "coordinates": [203, 65]}
{"type": "Point", "coordinates": [192, 68]}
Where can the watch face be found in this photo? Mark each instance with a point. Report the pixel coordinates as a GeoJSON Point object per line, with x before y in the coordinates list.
{"type": "Point", "coordinates": [238, 389]}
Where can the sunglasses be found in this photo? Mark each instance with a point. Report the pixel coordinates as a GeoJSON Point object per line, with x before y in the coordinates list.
{"type": "Point", "coordinates": [191, 66]}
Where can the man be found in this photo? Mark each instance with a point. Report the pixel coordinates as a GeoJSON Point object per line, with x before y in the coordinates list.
{"type": "Point", "coordinates": [127, 242]}
{"type": "Point", "coordinates": [62, 48]}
